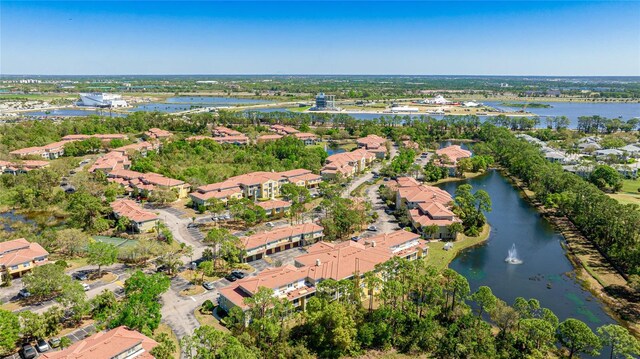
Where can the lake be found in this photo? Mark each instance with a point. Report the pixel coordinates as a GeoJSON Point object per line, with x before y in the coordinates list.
{"type": "Point", "coordinates": [573, 110]}
{"type": "Point", "coordinates": [72, 113]}
{"type": "Point", "coordinates": [185, 103]}
{"type": "Point", "coordinates": [514, 221]}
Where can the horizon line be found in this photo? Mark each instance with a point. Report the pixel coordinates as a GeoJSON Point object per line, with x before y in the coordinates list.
{"type": "Point", "coordinates": [312, 74]}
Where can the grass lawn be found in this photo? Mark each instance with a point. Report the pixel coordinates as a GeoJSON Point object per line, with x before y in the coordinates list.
{"type": "Point", "coordinates": [629, 193]}
{"type": "Point", "coordinates": [75, 263]}
{"type": "Point", "coordinates": [193, 290]}
{"type": "Point", "coordinates": [163, 328]}
{"type": "Point", "coordinates": [208, 319]}
{"type": "Point", "coordinates": [11, 306]}
{"type": "Point", "coordinates": [298, 109]}
{"type": "Point", "coordinates": [440, 258]}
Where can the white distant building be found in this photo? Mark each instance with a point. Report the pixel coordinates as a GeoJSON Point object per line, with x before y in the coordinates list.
{"type": "Point", "coordinates": [97, 99]}
{"type": "Point", "coordinates": [471, 104]}
{"type": "Point", "coordinates": [404, 109]}
{"type": "Point", "coordinates": [438, 100]}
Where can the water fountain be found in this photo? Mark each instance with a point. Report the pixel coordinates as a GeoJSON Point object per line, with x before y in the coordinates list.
{"type": "Point", "coordinates": [512, 257]}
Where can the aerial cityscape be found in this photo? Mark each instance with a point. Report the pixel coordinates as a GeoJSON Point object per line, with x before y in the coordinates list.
{"type": "Point", "coordinates": [319, 179]}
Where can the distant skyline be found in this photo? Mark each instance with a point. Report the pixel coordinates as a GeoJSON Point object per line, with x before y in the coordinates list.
{"type": "Point", "coordinates": [406, 38]}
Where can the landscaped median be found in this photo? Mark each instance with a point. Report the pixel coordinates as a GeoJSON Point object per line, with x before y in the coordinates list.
{"type": "Point", "coordinates": [440, 258]}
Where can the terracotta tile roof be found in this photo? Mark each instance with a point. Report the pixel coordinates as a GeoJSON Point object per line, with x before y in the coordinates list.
{"type": "Point", "coordinates": [284, 130]}
{"type": "Point", "coordinates": [273, 204]}
{"type": "Point", "coordinates": [224, 131]}
{"type": "Point", "coordinates": [277, 234]}
{"type": "Point", "coordinates": [424, 193]}
{"type": "Point", "coordinates": [131, 210]}
{"type": "Point", "coordinates": [294, 173]}
{"type": "Point", "coordinates": [454, 153]}
{"type": "Point", "coordinates": [269, 137]}
{"type": "Point", "coordinates": [136, 147]}
{"type": "Point", "coordinates": [107, 345]}
{"type": "Point", "coordinates": [158, 133]}
{"type": "Point", "coordinates": [424, 220]}
{"type": "Point", "coordinates": [325, 260]}
{"type": "Point", "coordinates": [106, 136]}
{"type": "Point", "coordinates": [20, 251]}
{"type": "Point", "coordinates": [218, 194]}
{"type": "Point", "coordinates": [305, 135]}
{"type": "Point", "coordinates": [232, 139]}
{"type": "Point", "coordinates": [372, 142]}
{"type": "Point", "coordinates": [111, 161]}
{"type": "Point", "coordinates": [435, 209]}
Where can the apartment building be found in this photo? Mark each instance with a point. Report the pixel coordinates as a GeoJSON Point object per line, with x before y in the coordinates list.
{"type": "Point", "coordinates": [157, 134]}
{"type": "Point", "coordinates": [141, 220]}
{"type": "Point", "coordinates": [283, 130]}
{"type": "Point", "coordinates": [117, 343]}
{"type": "Point", "coordinates": [347, 164]}
{"type": "Point", "coordinates": [110, 162]}
{"type": "Point", "coordinates": [427, 206]}
{"type": "Point", "coordinates": [306, 137]}
{"type": "Point", "coordinates": [221, 131]}
{"type": "Point", "coordinates": [275, 207]}
{"type": "Point", "coordinates": [148, 182]}
{"type": "Point", "coordinates": [452, 154]}
{"type": "Point", "coordinates": [50, 152]}
{"type": "Point", "coordinates": [103, 137]}
{"type": "Point", "coordinates": [323, 260]}
{"type": "Point", "coordinates": [280, 239]}
{"type": "Point", "coordinates": [255, 185]}
{"type": "Point", "coordinates": [142, 147]}
{"type": "Point", "coordinates": [374, 144]}
{"type": "Point", "coordinates": [19, 256]}
{"type": "Point", "coordinates": [15, 168]}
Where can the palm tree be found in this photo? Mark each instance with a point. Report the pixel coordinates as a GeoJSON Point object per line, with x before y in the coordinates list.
{"type": "Point", "coordinates": [430, 230]}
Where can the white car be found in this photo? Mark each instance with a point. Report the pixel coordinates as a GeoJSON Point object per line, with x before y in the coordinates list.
{"type": "Point", "coordinates": [85, 286]}
{"type": "Point", "coordinates": [270, 224]}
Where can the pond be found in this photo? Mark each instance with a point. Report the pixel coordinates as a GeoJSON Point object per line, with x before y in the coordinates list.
{"type": "Point", "coordinates": [545, 272]}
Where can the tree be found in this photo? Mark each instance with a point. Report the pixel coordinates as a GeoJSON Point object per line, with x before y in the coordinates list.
{"type": "Point", "coordinates": [603, 176]}
{"type": "Point", "coordinates": [470, 207]}
{"type": "Point", "coordinates": [332, 329]}
{"type": "Point", "coordinates": [65, 342]}
{"type": "Point", "coordinates": [101, 254]}
{"type": "Point", "coordinates": [9, 331]}
{"type": "Point", "coordinates": [47, 281]}
{"type": "Point", "coordinates": [536, 333]}
{"type": "Point", "coordinates": [165, 348]}
{"type": "Point", "coordinates": [163, 196]}
{"type": "Point", "coordinates": [208, 343]}
{"type": "Point", "coordinates": [219, 238]}
{"type": "Point", "coordinates": [140, 309]}
{"type": "Point", "coordinates": [463, 165]}
{"type": "Point", "coordinates": [485, 300]}
{"type": "Point", "coordinates": [71, 240]}
{"type": "Point", "coordinates": [86, 211]}
{"type": "Point", "coordinates": [622, 343]}
{"type": "Point", "coordinates": [430, 230]}
{"type": "Point", "coordinates": [577, 337]}
{"type": "Point", "coordinates": [206, 268]}
{"type": "Point", "coordinates": [31, 325]}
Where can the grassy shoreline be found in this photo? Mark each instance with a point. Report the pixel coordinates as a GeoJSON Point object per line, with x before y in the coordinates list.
{"type": "Point", "coordinates": [440, 258]}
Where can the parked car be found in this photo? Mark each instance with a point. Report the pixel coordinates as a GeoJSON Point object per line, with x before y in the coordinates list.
{"type": "Point", "coordinates": [385, 179]}
{"type": "Point", "coordinates": [24, 293]}
{"type": "Point", "coordinates": [54, 342]}
{"type": "Point", "coordinates": [42, 346]}
{"type": "Point", "coordinates": [372, 228]}
{"type": "Point", "coordinates": [80, 276]}
{"type": "Point", "coordinates": [238, 274]}
{"type": "Point", "coordinates": [162, 268]}
{"type": "Point", "coordinates": [355, 238]}
{"type": "Point", "coordinates": [192, 225]}
{"type": "Point", "coordinates": [231, 278]}
{"type": "Point", "coordinates": [208, 285]}
{"type": "Point", "coordinates": [85, 286]}
{"type": "Point", "coordinates": [270, 224]}
{"type": "Point", "coordinates": [28, 352]}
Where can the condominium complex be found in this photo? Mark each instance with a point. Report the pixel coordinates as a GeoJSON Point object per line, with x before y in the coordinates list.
{"type": "Point", "coordinates": [19, 256]}
{"type": "Point", "coordinates": [15, 168]}
{"type": "Point", "coordinates": [347, 164]}
{"type": "Point", "coordinates": [141, 219]}
{"type": "Point", "coordinates": [451, 155]}
{"type": "Point", "coordinates": [146, 183]}
{"type": "Point", "coordinates": [427, 206]}
{"type": "Point", "coordinates": [255, 186]}
{"type": "Point", "coordinates": [323, 260]}
{"type": "Point", "coordinates": [280, 239]}
{"type": "Point", "coordinates": [374, 144]}
{"type": "Point", "coordinates": [117, 343]}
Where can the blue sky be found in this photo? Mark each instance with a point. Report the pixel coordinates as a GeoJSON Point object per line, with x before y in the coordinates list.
{"type": "Point", "coordinates": [428, 38]}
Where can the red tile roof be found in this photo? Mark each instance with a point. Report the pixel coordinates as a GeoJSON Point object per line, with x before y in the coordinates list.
{"type": "Point", "coordinates": [454, 153]}
{"type": "Point", "coordinates": [131, 210]}
{"type": "Point", "coordinates": [107, 345]}
{"type": "Point", "coordinates": [20, 251]}
{"type": "Point", "coordinates": [261, 239]}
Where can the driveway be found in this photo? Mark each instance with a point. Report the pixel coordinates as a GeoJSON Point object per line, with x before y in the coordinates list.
{"type": "Point", "coordinates": [386, 223]}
